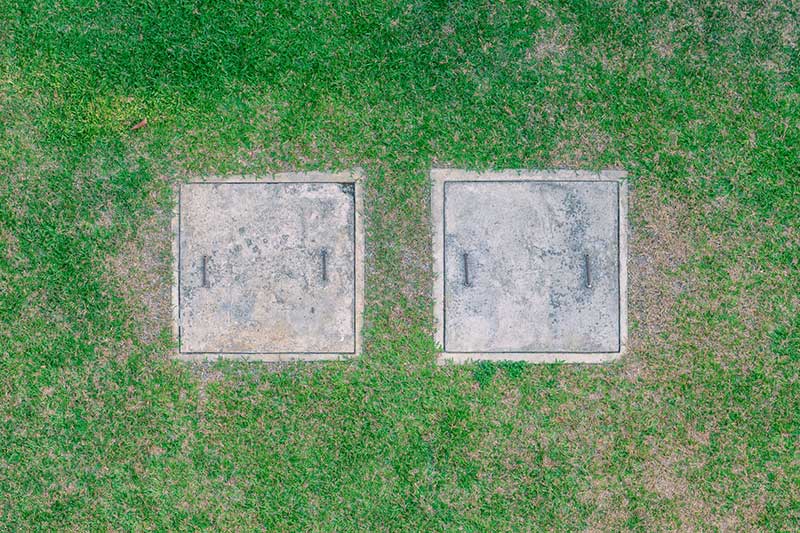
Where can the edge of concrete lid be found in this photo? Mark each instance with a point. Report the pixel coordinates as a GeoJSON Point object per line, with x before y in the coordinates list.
{"type": "Point", "coordinates": [454, 174]}
{"type": "Point", "coordinates": [356, 176]}
{"type": "Point", "coordinates": [439, 176]}
{"type": "Point", "coordinates": [346, 176]}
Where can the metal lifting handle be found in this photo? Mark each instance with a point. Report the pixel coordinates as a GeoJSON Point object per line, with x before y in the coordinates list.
{"type": "Point", "coordinates": [465, 262]}
{"type": "Point", "coordinates": [588, 271]}
{"type": "Point", "coordinates": [324, 255]}
{"type": "Point", "coordinates": [204, 271]}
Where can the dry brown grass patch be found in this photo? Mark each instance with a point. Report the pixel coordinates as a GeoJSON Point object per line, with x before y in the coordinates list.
{"type": "Point", "coordinates": [142, 273]}
{"type": "Point", "coordinates": [551, 44]}
{"type": "Point", "coordinates": [659, 244]}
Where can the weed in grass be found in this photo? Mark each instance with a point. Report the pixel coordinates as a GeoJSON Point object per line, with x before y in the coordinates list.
{"type": "Point", "coordinates": [483, 372]}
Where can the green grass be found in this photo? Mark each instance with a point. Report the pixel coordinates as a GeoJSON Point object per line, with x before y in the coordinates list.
{"type": "Point", "coordinates": [696, 428]}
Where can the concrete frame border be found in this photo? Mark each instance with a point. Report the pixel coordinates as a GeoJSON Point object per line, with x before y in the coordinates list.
{"type": "Point", "coordinates": [354, 176]}
{"type": "Point", "coordinates": [441, 175]}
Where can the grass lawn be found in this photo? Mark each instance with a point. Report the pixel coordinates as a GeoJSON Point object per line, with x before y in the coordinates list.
{"type": "Point", "coordinates": [696, 428]}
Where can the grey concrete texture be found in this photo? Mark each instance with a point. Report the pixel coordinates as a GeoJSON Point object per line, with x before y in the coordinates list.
{"type": "Point", "coordinates": [279, 272]}
{"type": "Point", "coordinates": [527, 244]}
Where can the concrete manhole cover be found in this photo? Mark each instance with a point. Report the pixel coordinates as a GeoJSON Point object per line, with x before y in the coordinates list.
{"type": "Point", "coordinates": [269, 269]}
{"type": "Point", "coordinates": [530, 265]}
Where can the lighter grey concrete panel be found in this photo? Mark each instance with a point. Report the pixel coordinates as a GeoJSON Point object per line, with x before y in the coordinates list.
{"type": "Point", "coordinates": [530, 265]}
{"type": "Point", "coordinates": [280, 269]}
{"type": "Point", "coordinates": [526, 246]}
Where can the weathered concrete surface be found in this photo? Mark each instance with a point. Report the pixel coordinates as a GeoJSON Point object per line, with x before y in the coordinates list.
{"type": "Point", "coordinates": [525, 243]}
{"type": "Point", "coordinates": [265, 291]}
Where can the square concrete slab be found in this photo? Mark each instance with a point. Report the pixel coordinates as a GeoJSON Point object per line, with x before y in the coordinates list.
{"type": "Point", "coordinates": [530, 265]}
{"type": "Point", "coordinates": [269, 269]}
